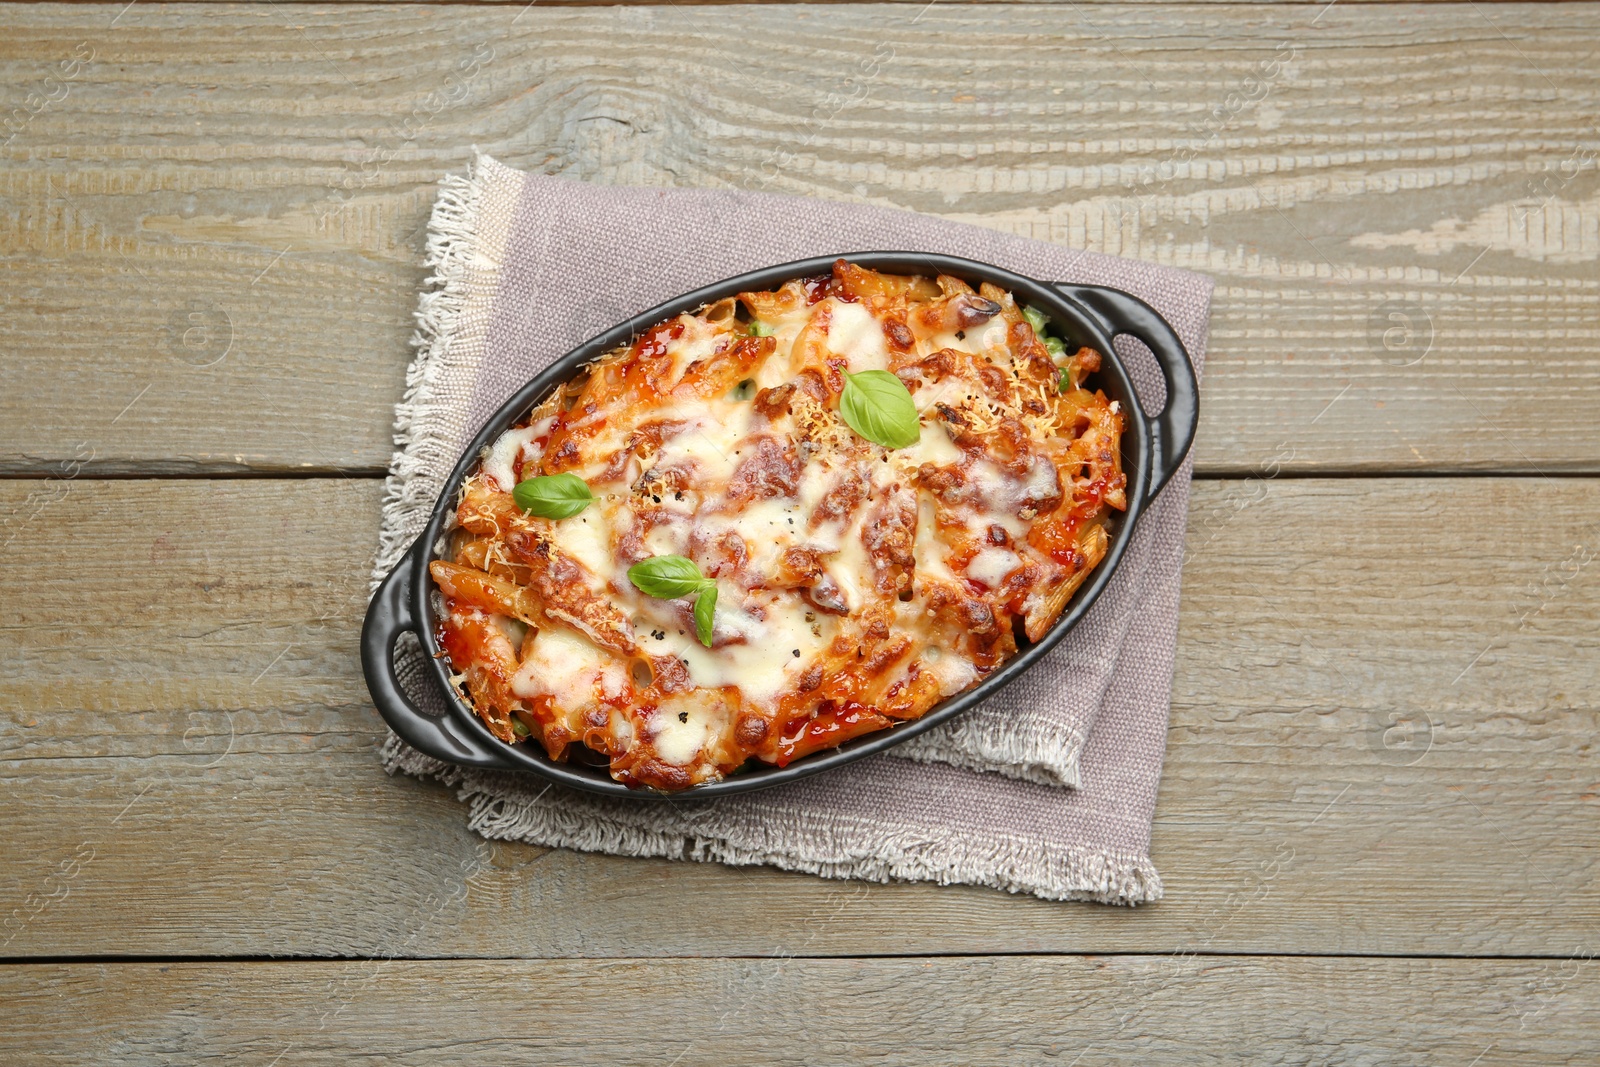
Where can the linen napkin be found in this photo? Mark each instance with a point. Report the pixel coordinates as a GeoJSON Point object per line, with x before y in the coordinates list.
{"type": "Point", "coordinates": [1047, 788]}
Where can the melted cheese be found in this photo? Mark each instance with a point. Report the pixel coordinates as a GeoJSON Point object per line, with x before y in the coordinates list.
{"type": "Point", "coordinates": [934, 446]}
{"type": "Point", "coordinates": [932, 561]}
{"type": "Point", "coordinates": [987, 338]}
{"type": "Point", "coordinates": [854, 334]}
{"type": "Point", "coordinates": [697, 341]}
{"type": "Point", "coordinates": [851, 566]}
{"type": "Point", "coordinates": [587, 538]}
{"type": "Point", "coordinates": [499, 462]}
{"type": "Point", "coordinates": [762, 665]}
{"type": "Point", "coordinates": [954, 672]}
{"type": "Point", "coordinates": [709, 442]}
{"type": "Point", "coordinates": [678, 740]}
{"type": "Point", "coordinates": [564, 666]}
{"type": "Point", "coordinates": [991, 565]}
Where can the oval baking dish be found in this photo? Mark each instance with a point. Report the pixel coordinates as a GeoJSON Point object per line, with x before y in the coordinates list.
{"type": "Point", "coordinates": [1087, 316]}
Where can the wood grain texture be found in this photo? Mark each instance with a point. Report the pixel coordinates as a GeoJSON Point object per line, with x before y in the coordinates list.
{"type": "Point", "coordinates": [1385, 703]}
{"type": "Point", "coordinates": [517, 5]}
{"type": "Point", "coordinates": [912, 1012]}
{"type": "Point", "coordinates": [211, 236]}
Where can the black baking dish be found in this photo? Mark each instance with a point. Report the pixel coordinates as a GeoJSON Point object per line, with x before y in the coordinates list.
{"type": "Point", "coordinates": [1152, 449]}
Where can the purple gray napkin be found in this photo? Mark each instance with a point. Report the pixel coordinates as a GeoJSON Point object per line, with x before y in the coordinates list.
{"type": "Point", "coordinates": [1047, 788]}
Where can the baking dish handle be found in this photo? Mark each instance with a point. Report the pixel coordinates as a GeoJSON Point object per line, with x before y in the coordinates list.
{"type": "Point", "coordinates": [1172, 430]}
{"type": "Point", "coordinates": [388, 616]}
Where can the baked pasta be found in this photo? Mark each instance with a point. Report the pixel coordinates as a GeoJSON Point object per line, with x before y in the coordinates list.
{"type": "Point", "coordinates": [781, 522]}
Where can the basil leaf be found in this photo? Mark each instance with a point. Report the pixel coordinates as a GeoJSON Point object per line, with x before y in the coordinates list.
{"type": "Point", "coordinates": [761, 329]}
{"type": "Point", "coordinates": [553, 496]}
{"type": "Point", "coordinates": [667, 577]}
{"type": "Point", "coordinates": [670, 577]}
{"type": "Point", "coordinates": [878, 406]}
{"type": "Point", "coordinates": [1036, 319]}
{"type": "Point", "coordinates": [705, 607]}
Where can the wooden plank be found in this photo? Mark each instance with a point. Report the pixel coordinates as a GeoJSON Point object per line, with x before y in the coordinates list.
{"type": "Point", "coordinates": [187, 748]}
{"type": "Point", "coordinates": [1315, 5]}
{"type": "Point", "coordinates": [518, 4]}
{"type": "Point", "coordinates": [215, 271]}
{"type": "Point", "coordinates": [1014, 1010]}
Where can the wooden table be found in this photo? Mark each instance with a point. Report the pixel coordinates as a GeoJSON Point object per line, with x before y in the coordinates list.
{"type": "Point", "coordinates": [1378, 818]}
